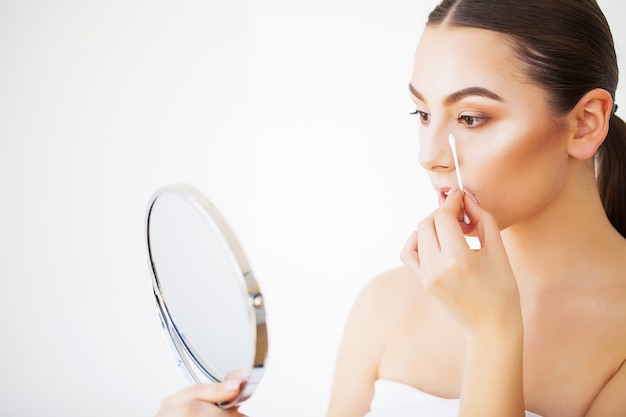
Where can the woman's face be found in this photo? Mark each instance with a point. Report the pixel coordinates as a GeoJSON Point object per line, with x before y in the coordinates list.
{"type": "Point", "coordinates": [512, 154]}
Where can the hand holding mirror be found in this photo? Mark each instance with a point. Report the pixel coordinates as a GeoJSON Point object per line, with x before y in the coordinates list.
{"type": "Point", "coordinates": [209, 303]}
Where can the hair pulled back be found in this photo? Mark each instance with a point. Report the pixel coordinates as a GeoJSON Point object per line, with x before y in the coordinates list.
{"type": "Point", "coordinates": [566, 46]}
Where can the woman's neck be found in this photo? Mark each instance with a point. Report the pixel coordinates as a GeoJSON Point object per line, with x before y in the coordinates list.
{"type": "Point", "coordinates": [571, 234]}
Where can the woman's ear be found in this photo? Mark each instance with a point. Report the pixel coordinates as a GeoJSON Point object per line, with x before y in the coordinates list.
{"type": "Point", "coordinates": [590, 121]}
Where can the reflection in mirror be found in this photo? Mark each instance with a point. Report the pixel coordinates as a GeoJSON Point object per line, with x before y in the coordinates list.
{"type": "Point", "coordinates": [210, 305]}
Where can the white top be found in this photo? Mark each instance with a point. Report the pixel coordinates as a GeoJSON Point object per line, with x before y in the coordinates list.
{"type": "Point", "coordinates": [394, 399]}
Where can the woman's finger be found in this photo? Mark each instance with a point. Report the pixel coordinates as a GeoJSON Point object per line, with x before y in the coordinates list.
{"type": "Point", "coordinates": [486, 225]}
{"type": "Point", "coordinates": [211, 393]}
{"type": "Point", "coordinates": [409, 254]}
{"type": "Point", "coordinates": [449, 232]}
{"type": "Point", "coordinates": [427, 239]}
{"type": "Point", "coordinates": [195, 408]}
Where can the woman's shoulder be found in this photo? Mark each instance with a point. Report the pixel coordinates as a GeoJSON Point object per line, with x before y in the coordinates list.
{"type": "Point", "coordinates": [392, 289]}
{"type": "Point", "coordinates": [392, 299]}
{"type": "Point", "coordinates": [372, 322]}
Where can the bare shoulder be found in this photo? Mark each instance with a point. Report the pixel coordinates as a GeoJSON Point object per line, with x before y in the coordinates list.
{"type": "Point", "coordinates": [390, 287]}
{"type": "Point", "coordinates": [609, 313]}
{"type": "Point", "coordinates": [382, 300]}
{"type": "Point", "coordinates": [366, 333]}
{"type": "Point", "coordinates": [611, 400]}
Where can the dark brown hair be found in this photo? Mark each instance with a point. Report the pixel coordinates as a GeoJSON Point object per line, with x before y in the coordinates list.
{"type": "Point", "coordinates": [566, 46]}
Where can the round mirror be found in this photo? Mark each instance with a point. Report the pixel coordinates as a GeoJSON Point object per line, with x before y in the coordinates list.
{"type": "Point", "coordinates": [209, 303]}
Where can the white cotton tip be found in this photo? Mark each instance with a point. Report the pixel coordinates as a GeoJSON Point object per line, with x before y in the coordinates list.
{"type": "Point", "coordinates": [452, 142]}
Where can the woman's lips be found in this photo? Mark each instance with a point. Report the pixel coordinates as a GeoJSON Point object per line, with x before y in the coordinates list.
{"type": "Point", "coordinates": [443, 195]}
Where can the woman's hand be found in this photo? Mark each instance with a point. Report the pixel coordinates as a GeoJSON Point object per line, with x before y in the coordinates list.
{"type": "Point", "coordinates": [200, 400]}
{"type": "Point", "coordinates": [479, 290]}
{"type": "Point", "coordinates": [476, 286]}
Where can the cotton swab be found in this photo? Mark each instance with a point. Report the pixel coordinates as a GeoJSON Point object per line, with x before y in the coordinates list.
{"type": "Point", "coordinates": [452, 142]}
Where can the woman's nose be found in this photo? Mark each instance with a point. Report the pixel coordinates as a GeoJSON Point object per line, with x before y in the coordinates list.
{"type": "Point", "coordinates": [435, 153]}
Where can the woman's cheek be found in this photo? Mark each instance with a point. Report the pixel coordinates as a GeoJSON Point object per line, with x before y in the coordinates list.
{"type": "Point", "coordinates": [493, 184]}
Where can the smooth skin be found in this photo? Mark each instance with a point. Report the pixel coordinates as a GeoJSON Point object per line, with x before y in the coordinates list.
{"type": "Point", "coordinates": [200, 400]}
{"type": "Point", "coordinates": [533, 320]}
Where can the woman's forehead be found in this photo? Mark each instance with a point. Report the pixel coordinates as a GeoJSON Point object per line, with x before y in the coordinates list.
{"type": "Point", "coordinates": [451, 58]}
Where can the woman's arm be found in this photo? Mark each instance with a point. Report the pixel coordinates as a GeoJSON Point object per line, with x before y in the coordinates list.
{"type": "Point", "coordinates": [478, 288]}
{"type": "Point", "coordinates": [493, 382]}
{"type": "Point", "coordinates": [493, 379]}
{"type": "Point", "coordinates": [360, 353]}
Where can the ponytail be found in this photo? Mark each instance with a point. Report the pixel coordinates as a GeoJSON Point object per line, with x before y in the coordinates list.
{"type": "Point", "coordinates": [612, 173]}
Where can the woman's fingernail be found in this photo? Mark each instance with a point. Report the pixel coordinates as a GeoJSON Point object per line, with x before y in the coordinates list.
{"type": "Point", "coordinates": [453, 190]}
{"type": "Point", "coordinates": [473, 197]}
{"type": "Point", "coordinates": [232, 385]}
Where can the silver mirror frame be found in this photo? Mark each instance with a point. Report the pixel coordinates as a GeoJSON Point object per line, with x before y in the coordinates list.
{"type": "Point", "coordinates": [192, 366]}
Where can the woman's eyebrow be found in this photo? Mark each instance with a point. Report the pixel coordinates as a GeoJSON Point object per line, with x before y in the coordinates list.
{"type": "Point", "coordinates": [461, 94]}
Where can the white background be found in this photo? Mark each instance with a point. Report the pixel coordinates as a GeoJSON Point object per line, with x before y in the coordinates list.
{"type": "Point", "coordinates": [291, 116]}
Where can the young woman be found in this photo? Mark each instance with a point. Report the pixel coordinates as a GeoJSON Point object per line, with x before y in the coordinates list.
{"type": "Point", "coordinates": [534, 321]}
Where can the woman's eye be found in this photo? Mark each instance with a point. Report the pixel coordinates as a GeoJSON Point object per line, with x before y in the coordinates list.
{"type": "Point", "coordinates": [472, 121]}
{"type": "Point", "coordinates": [423, 116]}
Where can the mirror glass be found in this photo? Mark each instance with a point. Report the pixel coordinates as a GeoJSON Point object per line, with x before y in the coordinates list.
{"type": "Point", "coordinates": [208, 300]}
